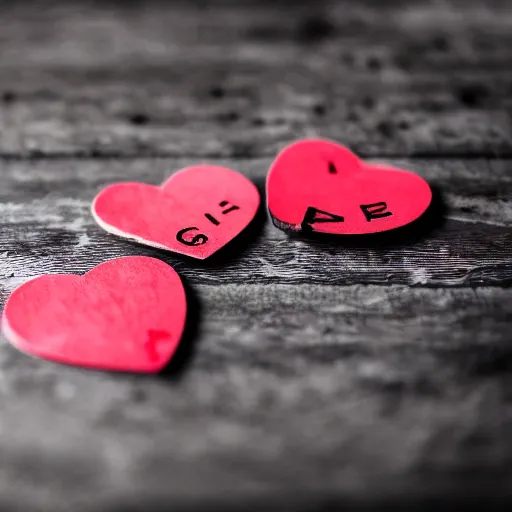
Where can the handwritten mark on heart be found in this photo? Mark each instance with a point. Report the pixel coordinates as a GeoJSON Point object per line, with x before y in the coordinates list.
{"type": "Point", "coordinates": [195, 212]}
{"type": "Point", "coordinates": [320, 186]}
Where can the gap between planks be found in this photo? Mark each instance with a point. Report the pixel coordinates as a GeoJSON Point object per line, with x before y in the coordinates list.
{"type": "Point", "coordinates": [91, 155]}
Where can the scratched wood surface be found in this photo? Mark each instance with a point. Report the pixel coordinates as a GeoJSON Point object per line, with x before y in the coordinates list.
{"type": "Point", "coordinates": [364, 372]}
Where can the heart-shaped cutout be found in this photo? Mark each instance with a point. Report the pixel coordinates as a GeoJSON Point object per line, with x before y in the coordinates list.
{"type": "Point", "coordinates": [320, 186]}
{"type": "Point", "coordinates": [127, 314]}
{"type": "Point", "coordinates": [195, 212]}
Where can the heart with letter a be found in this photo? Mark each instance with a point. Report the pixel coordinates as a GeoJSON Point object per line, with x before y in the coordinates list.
{"type": "Point", "coordinates": [320, 186]}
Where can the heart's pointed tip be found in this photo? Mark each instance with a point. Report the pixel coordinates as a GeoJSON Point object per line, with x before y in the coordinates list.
{"type": "Point", "coordinates": [203, 257]}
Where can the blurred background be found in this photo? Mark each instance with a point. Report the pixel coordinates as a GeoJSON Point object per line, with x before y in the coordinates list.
{"type": "Point", "coordinates": [313, 375]}
{"type": "Point", "coordinates": [241, 79]}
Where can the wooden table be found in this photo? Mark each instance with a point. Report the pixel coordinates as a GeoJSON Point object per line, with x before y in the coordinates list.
{"type": "Point", "coordinates": [311, 373]}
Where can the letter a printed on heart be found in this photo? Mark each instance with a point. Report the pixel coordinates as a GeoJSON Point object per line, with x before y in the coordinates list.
{"type": "Point", "coordinates": [127, 314]}
{"type": "Point", "coordinates": [320, 186]}
{"type": "Point", "coordinates": [195, 212]}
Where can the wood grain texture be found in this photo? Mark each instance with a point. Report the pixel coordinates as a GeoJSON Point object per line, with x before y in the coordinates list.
{"type": "Point", "coordinates": [244, 79]}
{"type": "Point", "coordinates": [465, 241]}
{"type": "Point", "coordinates": [312, 374]}
{"type": "Point", "coordinates": [295, 394]}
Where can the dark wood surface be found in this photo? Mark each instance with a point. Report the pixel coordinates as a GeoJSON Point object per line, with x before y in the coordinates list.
{"type": "Point", "coordinates": [360, 372]}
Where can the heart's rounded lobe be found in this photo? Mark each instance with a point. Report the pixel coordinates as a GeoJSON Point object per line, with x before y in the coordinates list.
{"type": "Point", "coordinates": [317, 185]}
{"type": "Point", "coordinates": [127, 314]}
{"type": "Point", "coordinates": [196, 212]}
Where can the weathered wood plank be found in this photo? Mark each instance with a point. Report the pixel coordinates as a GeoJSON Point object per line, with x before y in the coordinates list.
{"type": "Point", "coordinates": [286, 387]}
{"type": "Point", "coordinates": [464, 241]}
{"type": "Point", "coordinates": [475, 191]}
{"type": "Point", "coordinates": [460, 255]}
{"type": "Point", "coordinates": [243, 80]}
{"type": "Point", "coordinates": [84, 33]}
{"type": "Point", "coordinates": [365, 392]}
{"type": "Point", "coordinates": [145, 114]}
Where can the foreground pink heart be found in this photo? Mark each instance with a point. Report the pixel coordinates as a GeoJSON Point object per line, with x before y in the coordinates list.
{"type": "Point", "coordinates": [196, 212]}
{"type": "Point", "coordinates": [317, 185]}
{"type": "Point", "coordinates": [127, 314]}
